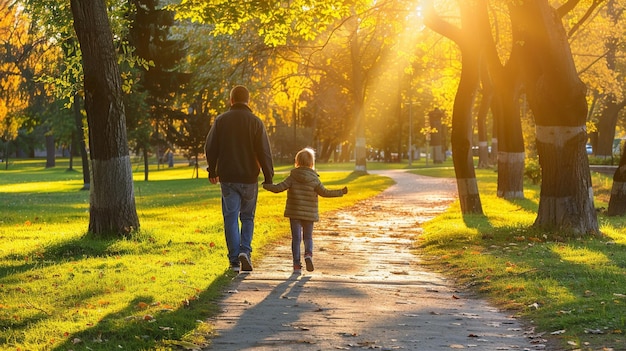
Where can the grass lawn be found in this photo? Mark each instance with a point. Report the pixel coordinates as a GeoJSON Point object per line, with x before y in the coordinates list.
{"type": "Point", "coordinates": [573, 290]}
{"type": "Point", "coordinates": [63, 290]}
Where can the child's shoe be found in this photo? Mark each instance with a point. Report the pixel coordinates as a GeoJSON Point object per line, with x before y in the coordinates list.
{"type": "Point", "coordinates": [308, 261]}
{"type": "Point", "coordinates": [297, 269]}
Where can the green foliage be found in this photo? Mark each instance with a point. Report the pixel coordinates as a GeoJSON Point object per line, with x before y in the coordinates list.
{"type": "Point", "coordinates": [573, 286]}
{"type": "Point", "coordinates": [532, 170]}
{"type": "Point", "coordinates": [277, 22]}
{"type": "Point", "coordinates": [606, 161]}
{"type": "Point", "coordinates": [62, 289]}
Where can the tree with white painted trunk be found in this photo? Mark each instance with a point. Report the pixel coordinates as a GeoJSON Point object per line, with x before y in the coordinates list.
{"type": "Point", "coordinates": [557, 98]}
{"type": "Point", "coordinates": [461, 135]}
{"type": "Point", "coordinates": [112, 201]}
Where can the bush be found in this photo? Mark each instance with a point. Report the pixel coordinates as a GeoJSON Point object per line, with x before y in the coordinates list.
{"type": "Point", "coordinates": [532, 170]}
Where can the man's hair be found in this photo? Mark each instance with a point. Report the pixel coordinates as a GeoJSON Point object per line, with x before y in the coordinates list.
{"type": "Point", "coordinates": [239, 94]}
{"type": "Point", "coordinates": [305, 158]}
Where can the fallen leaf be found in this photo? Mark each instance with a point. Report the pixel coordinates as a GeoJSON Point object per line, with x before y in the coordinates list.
{"type": "Point", "coordinates": [400, 273]}
{"type": "Point", "coordinates": [349, 334]}
{"type": "Point", "coordinates": [593, 331]}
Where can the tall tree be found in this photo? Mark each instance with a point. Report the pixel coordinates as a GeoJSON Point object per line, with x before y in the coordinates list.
{"type": "Point", "coordinates": [112, 204]}
{"type": "Point", "coordinates": [163, 82]}
{"type": "Point", "coordinates": [610, 87]}
{"type": "Point", "coordinates": [502, 81]}
{"type": "Point", "coordinates": [64, 77]}
{"type": "Point", "coordinates": [16, 72]}
{"type": "Point", "coordinates": [557, 97]}
{"type": "Point", "coordinates": [461, 136]}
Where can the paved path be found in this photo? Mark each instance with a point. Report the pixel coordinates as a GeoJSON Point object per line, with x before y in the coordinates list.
{"type": "Point", "coordinates": [368, 290]}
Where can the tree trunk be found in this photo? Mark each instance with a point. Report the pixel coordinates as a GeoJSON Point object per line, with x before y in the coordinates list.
{"type": "Point", "coordinates": [511, 153]}
{"type": "Point", "coordinates": [617, 202]}
{"type": "Point", "coordinates": [146, 163]}
{"type": "Point", "coordinates": [566, 200]}
{"type": "Point", "coordinates": [359, 112]}
{"type": "Point", "coordinates": [502, 83]}
{"type": "Point", "coordinates": [511, 175]}
{"type": "Point", "coordinates": [481, 123]}
{"type": "Point", "coordinates": [358, 92]}
{"type": "Point", "coordinates": [71, 154]}
{"type": "Point", "coordinates": [606, 129]}
{"type": "Point", "coordinates": [112, 201]}
{"type": "Point", "coordinates": [557, 98]}
{"type": "Point", "coordinates": [461, 137]}
{"type": "Point", "coordinates": [80, 130]}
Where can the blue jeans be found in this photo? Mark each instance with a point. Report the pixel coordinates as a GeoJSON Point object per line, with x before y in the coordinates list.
{"type": "Point", "coordinates": [301, 231]}
{"type": "Point", "coordinates": [238, 203]}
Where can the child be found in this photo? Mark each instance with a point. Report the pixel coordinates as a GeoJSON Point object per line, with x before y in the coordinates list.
{"type": "Point", "coordinates": [303, 185]}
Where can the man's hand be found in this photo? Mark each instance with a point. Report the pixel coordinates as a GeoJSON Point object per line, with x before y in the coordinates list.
{"type": "Point", "coordinates": [214, 180]}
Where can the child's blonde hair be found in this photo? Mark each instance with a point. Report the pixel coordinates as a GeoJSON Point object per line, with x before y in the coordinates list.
{"type": "Point", "coordinates": [305, 158]}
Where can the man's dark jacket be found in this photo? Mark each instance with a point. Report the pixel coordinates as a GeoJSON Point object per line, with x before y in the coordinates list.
{"type": "Point", "coordinates": [237, 147]}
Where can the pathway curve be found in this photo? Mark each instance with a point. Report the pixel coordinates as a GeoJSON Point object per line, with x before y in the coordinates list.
{"type": "Point", "coordinates": [368, 290]}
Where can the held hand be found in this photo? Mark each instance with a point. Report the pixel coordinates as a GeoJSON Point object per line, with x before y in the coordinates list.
{"type": "Point", "coordinates": [344, 190]}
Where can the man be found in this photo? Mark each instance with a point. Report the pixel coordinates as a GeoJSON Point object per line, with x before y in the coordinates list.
{"type": "Point", "coordinates": [237, 148]}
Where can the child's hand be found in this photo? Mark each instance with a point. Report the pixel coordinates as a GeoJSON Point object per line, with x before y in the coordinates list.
{"type": "Point", "coordinates": [344, 190]}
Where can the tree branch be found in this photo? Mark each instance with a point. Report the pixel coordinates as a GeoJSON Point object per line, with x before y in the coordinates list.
{"type": "Point", "coordinates": [433, 21]}
{"type": "Point", "coordinates": [584, 18]}
{"type": "Point", "coordinates": [566, 8]}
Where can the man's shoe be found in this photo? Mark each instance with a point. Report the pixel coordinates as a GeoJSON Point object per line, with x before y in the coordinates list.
{"type": "Point", "coordinates": [308, 261]}
{"type": "Point", "coordinates": [297, 269]}
{"type": "Point", "coordinates": [244, 259]}
{"type": "Point", "coordinates": [235, 268]}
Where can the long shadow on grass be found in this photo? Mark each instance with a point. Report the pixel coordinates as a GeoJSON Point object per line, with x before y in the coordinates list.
{"type": "Point", "coordinates": [527, 204]}
{"type": "Point", "coordinates": [573, 286]}
{"type": "Point", "coordinates": [478, 221]}
{"type": "Point", "coordinates": [482, 224]}
{"type": "Point", "coordinates": [70, 250]}
{"type": "Point", "coordinates": [349, 178]}
{"type": "Point", "coordinates": [130, 324]}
